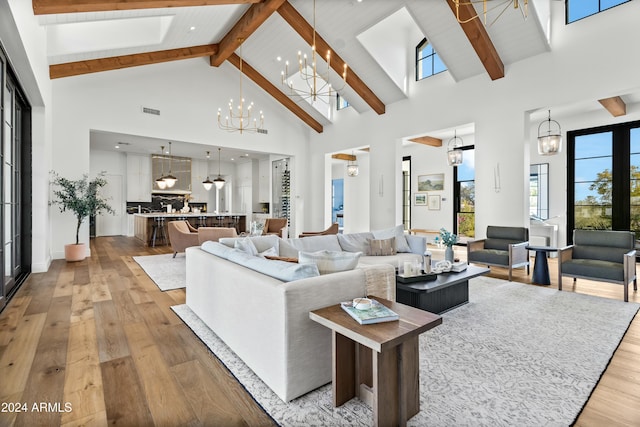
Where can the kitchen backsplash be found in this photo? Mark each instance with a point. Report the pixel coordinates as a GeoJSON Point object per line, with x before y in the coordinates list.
{"type": "Point", "coordinates": [159, 203]}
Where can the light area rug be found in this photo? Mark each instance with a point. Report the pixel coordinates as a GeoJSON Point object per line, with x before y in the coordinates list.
{"type": "Point", "coordinates": [166, 272]}
{"type": "Point", "coordinates": [515, 355]}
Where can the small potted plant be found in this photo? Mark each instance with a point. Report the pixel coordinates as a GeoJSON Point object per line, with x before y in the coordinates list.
{"type": "Point", "coordinates": [81, 197]}
{"type": "Point", "coordinates": [448, 239]}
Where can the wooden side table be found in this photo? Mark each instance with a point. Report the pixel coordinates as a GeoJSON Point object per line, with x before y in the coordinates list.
{"type": "Point", "coordinates": [379, 362]}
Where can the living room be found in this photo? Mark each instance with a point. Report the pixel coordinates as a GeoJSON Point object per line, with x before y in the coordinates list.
{"type": "Point", "coordinates": [579, 64]}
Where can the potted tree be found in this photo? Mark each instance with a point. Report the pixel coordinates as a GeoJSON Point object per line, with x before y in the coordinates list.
{"type": "Point", "coordinates": [80, 197]}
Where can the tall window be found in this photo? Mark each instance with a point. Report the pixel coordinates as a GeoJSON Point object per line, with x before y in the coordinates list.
{"type": "Point", "coordinates": [428, 62]}
{"type": "Point", "coordinates": [406, 192]}
{"type": "Point", "coordinates": [578, 9]}
{"type": "Point", "coordinates": [341, 102]}
{"type": "Point", "coordinates": [604, 178]}
{"type": "Point", "coordinates": [464, 193]}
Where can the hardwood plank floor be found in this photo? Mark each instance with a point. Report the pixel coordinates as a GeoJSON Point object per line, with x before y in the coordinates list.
{"type": "Point", "coordinates": [99, 336]}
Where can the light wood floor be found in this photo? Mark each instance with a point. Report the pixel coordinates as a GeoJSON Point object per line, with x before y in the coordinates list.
{"type": "Point", "coordinates": [100, 337]}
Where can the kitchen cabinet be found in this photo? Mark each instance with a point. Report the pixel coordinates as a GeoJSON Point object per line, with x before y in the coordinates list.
{"type": "Point", "coordinates": [264, 171]}
{"type": "Point", "coordinates": [139, 181]}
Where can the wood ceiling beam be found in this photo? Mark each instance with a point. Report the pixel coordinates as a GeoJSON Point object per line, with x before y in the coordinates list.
{"type": "Point", "coordinates": [479, 39]}
{"type": "Point", "coordinates": [614, 105]}
{"type": "Point", "coordinates": [268, 87]}
{"type": "Point", "coordinates": [247, 25]}
{"type": "Point", "coordinates": [44, 7]}
{"type": "Point", "coordinates": [69, 69]}
{"type": "Point", "coordinates": [427, 140]}
{"type": "Point", "coordinates": [343, 156]}
{"type": "Point", "coordinates": [302, 27]}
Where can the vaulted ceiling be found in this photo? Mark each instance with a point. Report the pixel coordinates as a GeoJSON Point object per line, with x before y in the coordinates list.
{"type": "Point", "coordinates": [89, 36]}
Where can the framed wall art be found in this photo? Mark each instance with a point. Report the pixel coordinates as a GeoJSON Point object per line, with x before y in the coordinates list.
{"type": "Point", "coordinates": [419, 199]}
{"type": "Point", "coordinates": [433, 182]}
{"type": "Point", "coordinates": [434, 202]}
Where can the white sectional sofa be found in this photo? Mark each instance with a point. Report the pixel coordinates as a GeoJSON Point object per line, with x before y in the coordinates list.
{"type": "Point", "coordinates": [260, 308]}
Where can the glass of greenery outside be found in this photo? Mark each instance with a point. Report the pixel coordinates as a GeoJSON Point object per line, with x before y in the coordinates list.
{"type": "Point", "coordinates": [80, 196]}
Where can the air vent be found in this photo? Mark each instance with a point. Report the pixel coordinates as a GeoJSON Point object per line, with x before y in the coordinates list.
{"type": "Point", "coordinates": [150, 111]}
{"type": "Point", "coordinates": [263, 131]}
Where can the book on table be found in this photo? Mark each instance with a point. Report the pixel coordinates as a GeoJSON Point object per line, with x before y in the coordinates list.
{"type": "Point", "coordinates": [376, 314]}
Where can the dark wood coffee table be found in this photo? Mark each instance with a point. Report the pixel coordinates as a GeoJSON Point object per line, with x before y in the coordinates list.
{"type": "Point", "coordinates": [448, 291]}
{"type": "Point", "coordinates": [379, 363]}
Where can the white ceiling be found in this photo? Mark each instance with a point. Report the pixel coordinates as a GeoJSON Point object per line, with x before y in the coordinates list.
{"type": "Point", "coordinates": [339, 22]}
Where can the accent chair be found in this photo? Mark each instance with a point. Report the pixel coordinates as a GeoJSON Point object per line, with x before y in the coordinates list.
{"type": "Point", "coordinates": [602, 255]}
{"type": "Point", "coordinates": [503, 247]}
{"type": "Point", "coordinates": [275, 226]}
{"type": "Point", "coordinates": [215, 233]}
{"type": "Point", "coordinates": [182, 235]}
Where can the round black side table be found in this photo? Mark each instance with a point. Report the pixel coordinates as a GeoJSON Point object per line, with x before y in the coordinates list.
{"type": "Point", "coordinates": [541, 267]}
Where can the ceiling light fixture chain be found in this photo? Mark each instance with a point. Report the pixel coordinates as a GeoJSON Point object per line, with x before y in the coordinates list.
{"type": "Point", "coordinates": [486, 10]}
{"type": "Point", "coordinates": [239, 119]}
{"type": "Point", "coordinates": [219, 181]}
{"type": "Point", "coordinates": [318, 85]}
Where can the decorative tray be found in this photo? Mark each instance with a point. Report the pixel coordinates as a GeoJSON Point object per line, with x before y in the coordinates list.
{"type": "Point", "coordinates": [419, 278]}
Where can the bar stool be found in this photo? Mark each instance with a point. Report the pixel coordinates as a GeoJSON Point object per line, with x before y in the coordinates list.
{"type": "Point", "coordinates": [235, 222]}
{"type": "Point", "coordinates": [158, 232]}
{"type": "Point", "coordinates": [220, 219]}
{"type": "Point", "coordinates": [202, 221]}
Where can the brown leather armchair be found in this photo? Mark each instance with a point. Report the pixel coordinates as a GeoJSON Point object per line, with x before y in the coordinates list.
{"type": "Point", "coordinates": [333, 229]}
{"type": "Point", "coordinates": [182, 235]}
{"type": "Point", "coordinates": [275, 226]}
{"type": "Point", "coordinates": [215, 233]}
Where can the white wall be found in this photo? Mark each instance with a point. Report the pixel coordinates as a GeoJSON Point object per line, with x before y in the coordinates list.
{"type": "Point", "coordinates": [587, 63]}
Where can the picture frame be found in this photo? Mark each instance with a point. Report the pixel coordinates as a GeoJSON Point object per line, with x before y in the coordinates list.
{"type": "Point", "coordinates": [434, 202]}
{"type": "Point", "coordinates": [433, 182]}
{"type": "Point", "coordinates": [420, 199]}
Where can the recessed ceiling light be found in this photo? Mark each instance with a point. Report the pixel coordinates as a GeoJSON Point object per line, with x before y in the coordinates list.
{"type": "Point", "coordinates": [192, 28]}
{"type": "Point", "coordinates": [232, 159]}
{"type": "Point", "coordinates": [117, 146]}
{"type": "Point", "coordinates": [279, 58]}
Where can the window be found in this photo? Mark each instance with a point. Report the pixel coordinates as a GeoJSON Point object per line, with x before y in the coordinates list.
{"type": "Point", "coordinates": [428, 62]}
{"type": "Point", "coordinates": [464, 193]}
{"type": "Point", "coordinates": [604, 178]}
{"type": "Point", "coordinates": [578, 9]}
{"type": "Point", "coordinates": [406, 192]}
{"type": "Point", "coordinates": [341, 102]}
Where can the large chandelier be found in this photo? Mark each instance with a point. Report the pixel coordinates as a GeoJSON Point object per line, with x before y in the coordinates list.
{"type": "Point", "coordinates": [489, 6]}
{"type": "Point", "coordinates": [549, 143]}
{"type": "Point", "coordinates": [315, 85]}
{"type": "Point", "coordinates": [239, 119]}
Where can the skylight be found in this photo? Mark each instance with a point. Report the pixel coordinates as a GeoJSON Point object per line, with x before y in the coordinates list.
{"type": "Point", "coordinates": [392, 43]}
{"type": "Point", "coordinates": [95, 36]}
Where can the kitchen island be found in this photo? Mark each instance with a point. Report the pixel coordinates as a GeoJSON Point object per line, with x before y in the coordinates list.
{"type": "Point", "coordinates": [143, 222]}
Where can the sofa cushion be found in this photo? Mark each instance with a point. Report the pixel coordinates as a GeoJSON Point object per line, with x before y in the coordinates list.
{"type": "Point", "coordinates": [317, 243]}
{"type": "Point", "coordinates": [489, 256]}
{"type": "Point", "coordinates": [597, 269]}
{"type": "Point", "coordinates": [262, 243]}
{"type": "Point", "coordinates": [271, 252]}
{"type": "Point", "coordinates": [281, 270]}
{"type": "Point", "coordinates": [604, 253]}
{"type": "Point", "coordinates": [355, 242]}
{"type": "Point", "coordinates": [246, 245]}
{"type": "Point", "coordinates": [499, 244]}
{"type": "Point", "coordinates": [382, 247]}
{"type": "Point", "coordinates": [216, 248]}
{"type": "Point", "coordinates": [398, 233]}
{"type": "Point", "coordinates": [286, 249]}
{"type": "Point", "coordinates": [330, 261]}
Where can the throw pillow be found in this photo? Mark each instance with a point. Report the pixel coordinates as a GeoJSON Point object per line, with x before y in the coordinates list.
{"type": "Point", "coordinates": [355, 242]}
{"type": "Point", "coordinates": [381, 247]}
{"type": "Point", "coordinates": [246, 245]}
{"type": "Point", "coordinates": [272, 251]}
{"type": "Point", "coordinates": [330, 261]}
{"type": "Point", "coordinates": [398, 233]}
